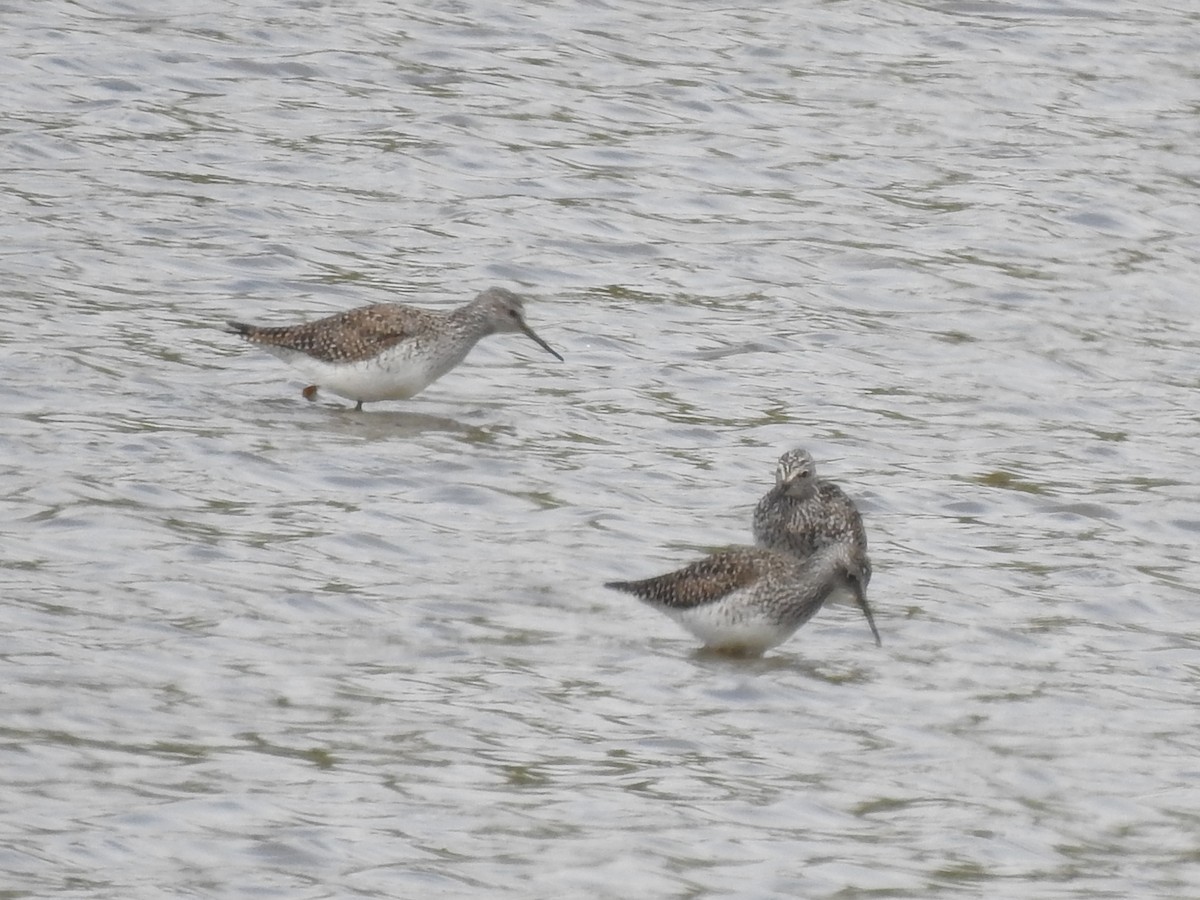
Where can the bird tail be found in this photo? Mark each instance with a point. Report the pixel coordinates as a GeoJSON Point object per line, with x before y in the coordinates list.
{"type": "Point", "coordinates": [239, 328]}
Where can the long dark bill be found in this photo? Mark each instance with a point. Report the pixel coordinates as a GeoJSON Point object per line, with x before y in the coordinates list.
{"type": "Point", "coordinates": [533, 336]}
{"type": "Point", "coordinates": [860, 596]}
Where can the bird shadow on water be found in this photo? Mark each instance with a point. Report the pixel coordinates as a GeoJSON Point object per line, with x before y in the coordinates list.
{"type": "Point", "coordinates": [383, 424]}
{"type": "Point", "coordinates": [713, 661]}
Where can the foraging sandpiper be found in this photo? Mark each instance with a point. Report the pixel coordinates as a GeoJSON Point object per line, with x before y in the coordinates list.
{"type": "Point", "coordinates": [389, 351]}
{"type": "Point", "coordinates": [746, 600]}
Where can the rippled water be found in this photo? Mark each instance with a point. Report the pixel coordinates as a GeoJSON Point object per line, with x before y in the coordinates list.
{"type": "Point", "coordinates": [254, 646]}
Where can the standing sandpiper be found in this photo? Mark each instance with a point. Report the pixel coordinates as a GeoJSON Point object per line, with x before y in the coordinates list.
{"type": "Point", "coordinates": [389, 351]}
{"type": "Point", "coordinates": [802, 513]}
{"type": "Point", "coordinates": [746, 600]}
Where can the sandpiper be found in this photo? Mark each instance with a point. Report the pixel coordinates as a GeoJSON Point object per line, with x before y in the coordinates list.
{"type": "Point", "coordinates": [389, 351]}
{"type": "Point", "coordinates": [746, 600]}
{"type": "Point", "coordinates": [801, 513]}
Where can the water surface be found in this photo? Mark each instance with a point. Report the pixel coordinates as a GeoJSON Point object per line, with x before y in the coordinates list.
{"type": "Point", "coordinates": [255, 646]}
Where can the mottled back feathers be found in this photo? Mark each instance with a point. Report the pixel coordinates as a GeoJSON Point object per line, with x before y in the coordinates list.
{"type": "Point", "coordinates": [704, 581]}
{"type": "Point", "coordinates": [346, 337]}
{"type": "Point", "coordinates": [801, 526]}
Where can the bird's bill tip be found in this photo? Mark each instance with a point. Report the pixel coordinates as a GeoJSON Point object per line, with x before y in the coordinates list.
{"type": "Point", "coordinates": [860, 596]}
{"type": "Point", "coordinates": [532, 335]}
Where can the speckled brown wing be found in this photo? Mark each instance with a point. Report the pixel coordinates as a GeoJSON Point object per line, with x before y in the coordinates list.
{"type": "Point", "coordinates": [702, 582]}
{"type": "Point", "coordinates": [845, 518]}
{"type": "Point", "coordinates": [800, 527]}
{"type": "Point", "coordinates": [346, 337]}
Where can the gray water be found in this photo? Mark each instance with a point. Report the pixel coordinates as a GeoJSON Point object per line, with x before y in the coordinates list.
{"type": "Point", "coordinates": [259, 647]}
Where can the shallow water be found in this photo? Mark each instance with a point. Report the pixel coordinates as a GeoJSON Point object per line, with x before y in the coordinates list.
{"type": "Point", "coordinates": [254, 646]}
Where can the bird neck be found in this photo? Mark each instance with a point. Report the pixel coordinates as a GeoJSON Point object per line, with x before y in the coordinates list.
{"type": "Point", "coordinates": [473, 320]}
{"type": "Point", "coordinates": [798, 491]}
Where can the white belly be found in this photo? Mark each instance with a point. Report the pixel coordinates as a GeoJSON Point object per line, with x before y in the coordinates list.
{"type": "Point", "coordinates": [392, 375]}
{"type": "Point", "coordinates": [727, 625]}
